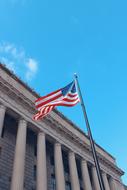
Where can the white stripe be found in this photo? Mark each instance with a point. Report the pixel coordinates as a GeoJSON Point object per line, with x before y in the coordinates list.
{"type": "Point", "coordinates": [71, 98]}
{"type": "Point", "coordinates": [52, 96]}
{"type": "Point", "coordinates": [65, 102]}
{"type": "Point", "coordinates": [59, 102]}
{"type": "Point", "coordinates": [50, 108]}
{"type": "Point", "coordinates": [49, 97]}
{"type": "Point", "coordinates": [73, 93]}
{"type": "Point", "coordinates": [45, 111]}
{"type": "Point", "coordinates": [59, 99]}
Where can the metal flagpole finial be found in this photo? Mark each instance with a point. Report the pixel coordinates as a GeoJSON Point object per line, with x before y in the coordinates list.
{"type": "Point", "coordinates": [75, 75]}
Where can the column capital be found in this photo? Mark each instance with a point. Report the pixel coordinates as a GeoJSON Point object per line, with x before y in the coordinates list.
{"type": "Point", "coordinates": [95, 178]}
{"type": "Point", "coordinates": [105, 180]}
{"type": "Point", "coordinates": [73, 171]}
{"type": "Point", "coordinates": [84, 161]}
{"type": "Point", "coordinates": [41, 133]}
{"type": "Point", "coordinates": [93, 167]}
{"type": "Point", "coordinates": [41, 162]}
{"type": "Point", "coordinates": [19, 157]}
{"type": "Point", "coordinates": [59, 168]}
{"type": "Point", "coordinates": [57, 144]}
{"type": "Point", "coordinates": [71, 153]}
{"type": "Point", "coordinates": [2, 107]}
{"type": "Point", "coordinates": [22, 121]}
{"type": "Point", "coordinates": [85, 175]}
{"type": "Point", "coordinates": [103, 172]}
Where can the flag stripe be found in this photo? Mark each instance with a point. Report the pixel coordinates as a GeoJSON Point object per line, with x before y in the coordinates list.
{"type": "Point", "coordinates": [61, 103]}
{"type": "Point", "coordinates": [47, 98]}
{"type": "Point", "coordinates": [57, 98]}
{"type": "Point", "coordinates": [72, 95]}
{"type": "Point", "coordinates": [41, 113]}
{"type": "Point", "coordinates": [52, 97]}
{"type": "Point", "coordinates": [47, 101]}
{"type": "Point", "coordinates": [57, 102]}
{"type": "Point", "coordinates": [47, 95]}
{"type": "Point", "coordinates": [66, 96]}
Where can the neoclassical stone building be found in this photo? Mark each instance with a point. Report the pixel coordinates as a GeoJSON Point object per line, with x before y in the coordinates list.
{"type": "Point", "coordinates": [51, 154]}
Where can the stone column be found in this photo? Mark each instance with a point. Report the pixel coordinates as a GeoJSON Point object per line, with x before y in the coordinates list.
{"type": "Point", "coordinates": [105, 180]}
{"type": "Point", "coordinates": [95, 179]}
{"type": "Point", "coordinates": [112, 184]}
{"type": "Point", "coordinates": [59, 169]}
{"type": "Point", "coordinates": [19, 157]}
{"type": "Point", "coordinates": [2, 115]}
{"type": "Point", "coordinates": [85, 175]}
{"type": "Point", "coordinates": [73, 172]}
{"type": "Point", "coordinates": [41, 162]}
{"type": "Point", "coordinates": [119, 185]}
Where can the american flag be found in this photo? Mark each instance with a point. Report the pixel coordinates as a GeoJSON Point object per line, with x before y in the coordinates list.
{"type": "Point", "coordinates": [66, 96]}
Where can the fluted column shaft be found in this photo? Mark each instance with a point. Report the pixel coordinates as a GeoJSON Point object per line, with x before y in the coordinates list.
{"type": "Point", "coordinates": [41, 162]}
{"type": "Point", "coordinates": [85, 175]}
{"type": "Point", "coordinates": [2, 115]}
{"type": "Point", "coordinates": [73, 172]}
{"type": "Point", "coordinates": [19, 157]}
{"type": "Point", "coordinates": [59, 170]}
{"type": "Point", "coordinates": [119, 185]}
{"type": "Point", "coordinates": [105, 180]}
{"type": "Point", "coordinates": [95, 179]}
{"type": "Point", "coordinates": [112, 184]}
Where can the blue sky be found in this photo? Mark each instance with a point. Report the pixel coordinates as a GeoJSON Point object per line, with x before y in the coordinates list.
{"type": "Point", "coordinates": [45, 42]}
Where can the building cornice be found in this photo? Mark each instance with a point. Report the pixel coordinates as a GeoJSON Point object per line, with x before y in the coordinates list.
{"type": "Point", "coordinates": [29, 105]}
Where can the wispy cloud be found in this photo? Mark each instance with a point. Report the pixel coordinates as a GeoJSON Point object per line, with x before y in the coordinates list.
{"type": "Point", "coordinates": [15, 58]}
{"type": "Point", "coordinates": [32, 68]}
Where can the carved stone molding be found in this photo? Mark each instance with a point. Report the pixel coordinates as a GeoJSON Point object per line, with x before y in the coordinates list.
{"type": "Point", "coordinates": [21, 104]}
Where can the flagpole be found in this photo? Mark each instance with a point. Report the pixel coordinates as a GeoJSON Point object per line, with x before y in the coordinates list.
{"type": "Point", "coordinates": [90, 137]}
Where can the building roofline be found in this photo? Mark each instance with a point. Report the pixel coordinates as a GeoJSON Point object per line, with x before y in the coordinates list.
{"type": "Point", "coordinates": [25, 85]}
{"type": "Point", "coordinates": [80, 130]}
{"type": "Point", "coordinates": [14, 76]}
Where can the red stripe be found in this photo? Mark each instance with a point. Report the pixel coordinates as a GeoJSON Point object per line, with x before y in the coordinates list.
{"type": "Point", "coordinates": [64, 104]}
{"type": "Point", "coordinates": [36, 117]}
{"type": "Point", "coordinates": [50, 100]}
{"type": "Point", "coordinates": [41, 98]}
{"type": "Point", "coordinates": [41, 116]}
{"type": "Point", "coordinates": [42, 112]}
{"type": "Point", "coordinates": [72, 95]}
{"type": "Point", "coordinates": [68, 100]}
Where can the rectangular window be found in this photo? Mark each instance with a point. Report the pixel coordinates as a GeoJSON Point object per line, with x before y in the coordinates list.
{"type": "Point", "coordinates": [35, 171]}
{"type": "Point", "coordinates": [35, 150]}
{"type": "Point", "coordinates": [3, 130]}
{"type": "Point", "coordinates": [68, 186]}
{"type": "Point", "coordinates": [52, 160]}
{"type": "Point", "coordinates": [0, 151]}
{"type": "Point", "coordinates": [53, 182]}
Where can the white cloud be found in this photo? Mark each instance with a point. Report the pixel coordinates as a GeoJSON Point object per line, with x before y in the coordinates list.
{"type": "Point", "coordinates": [9, 64]}
{"type": "Point", "coordinates": [16, 60]}
{"type": "Point", "coordinates": [32, 66]}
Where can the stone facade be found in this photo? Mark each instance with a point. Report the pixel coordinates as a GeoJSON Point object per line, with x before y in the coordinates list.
{"type": "Point", "coordinates": [49, 154]}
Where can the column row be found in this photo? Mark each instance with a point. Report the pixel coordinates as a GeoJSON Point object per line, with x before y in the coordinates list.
{"type": "Point", "coordinates": [17, 182]}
